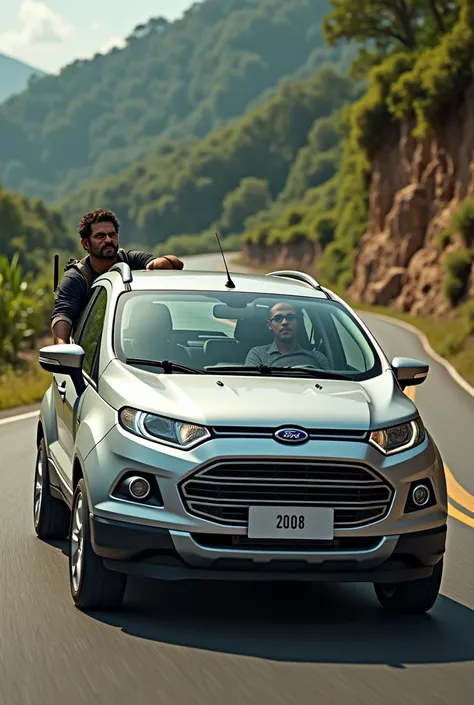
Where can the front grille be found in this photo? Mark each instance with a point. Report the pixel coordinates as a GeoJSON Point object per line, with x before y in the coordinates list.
{"type": "Point", "coordinates": [224, 491]}
{"type": "Point", "coordinates": [325, 434]}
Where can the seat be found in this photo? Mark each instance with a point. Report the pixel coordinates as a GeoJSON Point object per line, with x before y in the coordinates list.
{"type": "Point", "coordinates": [252, 332]}
{"type": "Point", "coordinates": [149, 332]}
{"type": "Point", "coordinates": [222, 350]}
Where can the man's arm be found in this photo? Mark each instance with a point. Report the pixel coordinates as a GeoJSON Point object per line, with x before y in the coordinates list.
{"type": "Point", "coordinates": [146, 260]}
{"type": "Point", "coordinates": [253, 358]}
{"type": "Point", "coordinates": [68, 306]}
{"type": "Point", "coordinates": [166, 262]}
{"type": "Point", "coordinates": [322, 360]}
{"type": "Point", "coordinates": [61, 332]}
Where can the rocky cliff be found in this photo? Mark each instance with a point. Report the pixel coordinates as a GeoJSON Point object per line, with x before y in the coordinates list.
{"type": "Point", "coordinates": [415, 188]}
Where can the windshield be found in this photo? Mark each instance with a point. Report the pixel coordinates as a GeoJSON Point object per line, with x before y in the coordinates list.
{"type": "Point", "coordinates": [234, 332]}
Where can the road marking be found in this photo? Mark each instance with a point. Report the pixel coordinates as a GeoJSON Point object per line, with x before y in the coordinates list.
{"type": "Point", "coordinates": [456, 514]}
{"type": "Point", "coordinates": [19, 417]}
{"type": "Point", "coordinates": [456, 492]}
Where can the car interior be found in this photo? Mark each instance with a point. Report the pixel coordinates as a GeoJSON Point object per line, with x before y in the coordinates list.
{"type": "Point", "coordinates": [150, 332]}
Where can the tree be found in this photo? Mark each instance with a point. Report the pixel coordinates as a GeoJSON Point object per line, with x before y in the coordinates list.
{"type": "Point", "coordinates": [251, 196]}
{"type": "Point", "coordinates": [389, 24]}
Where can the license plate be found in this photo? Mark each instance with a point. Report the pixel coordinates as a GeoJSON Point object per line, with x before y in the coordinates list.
{"type": "Point", "coordinates": [316, 523]}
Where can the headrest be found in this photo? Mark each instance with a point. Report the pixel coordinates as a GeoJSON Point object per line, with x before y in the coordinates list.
{"type": "Point", "coordinates": [253, 331]}
{"type": "Point", "coordinates": [154, 318]}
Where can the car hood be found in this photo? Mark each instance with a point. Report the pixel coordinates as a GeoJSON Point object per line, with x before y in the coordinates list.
{"type": "Point", "coordinates": [237, 400]}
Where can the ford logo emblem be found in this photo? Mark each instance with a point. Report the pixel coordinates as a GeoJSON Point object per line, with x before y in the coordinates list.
{"type": "Point", "coordinates": [291, 435]}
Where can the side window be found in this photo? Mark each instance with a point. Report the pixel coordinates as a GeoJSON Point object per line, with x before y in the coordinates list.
{"type": "Point", "coordinates": [352, 350]}
{"type": "Point", "coordinates": [90, 336]}
{"type": "Point", "coordinates": [76, 332]}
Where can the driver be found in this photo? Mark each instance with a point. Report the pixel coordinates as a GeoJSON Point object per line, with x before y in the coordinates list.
{"type": "Point", "coordinates": [285, 350]}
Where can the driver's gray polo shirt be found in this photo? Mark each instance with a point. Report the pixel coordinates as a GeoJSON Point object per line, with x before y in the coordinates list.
{"type": "Point", "coordinates": [271, 356]}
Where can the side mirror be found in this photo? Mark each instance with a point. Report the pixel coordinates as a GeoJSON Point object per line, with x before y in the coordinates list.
{"type": "Point", "coordinates": [409, 372]}
{"type": "Point", "coordinates": [66, 359]}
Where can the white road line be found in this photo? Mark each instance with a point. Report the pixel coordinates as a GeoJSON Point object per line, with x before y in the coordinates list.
{"type": "Point", "coordinates": [19, 417]}
{"type": "Point", "coordinates": [427, 348]}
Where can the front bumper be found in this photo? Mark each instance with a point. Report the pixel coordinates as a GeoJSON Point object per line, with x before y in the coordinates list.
{"type": "Point", "coordinates": [170, 542]}
{"type": "Point", "coordinates": [174, 555]}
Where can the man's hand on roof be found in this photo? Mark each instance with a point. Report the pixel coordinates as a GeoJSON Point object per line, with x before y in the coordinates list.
{"type": "Point", "coordinates": [166, 262]}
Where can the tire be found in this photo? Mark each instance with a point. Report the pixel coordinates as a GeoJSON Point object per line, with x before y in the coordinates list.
{"type": "Point", "coordinates": [51, 516]}
{"type": "Point", "coordinates": [92, 585]}
{"type": "Point", "coordinates": [411, 597]}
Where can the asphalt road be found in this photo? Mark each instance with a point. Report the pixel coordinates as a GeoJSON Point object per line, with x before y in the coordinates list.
{"type": "Point", "coordinates": [239, 643]}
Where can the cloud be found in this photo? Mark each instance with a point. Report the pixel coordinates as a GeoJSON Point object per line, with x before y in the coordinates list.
{"type": "Point", "coordinates": [39, 25]}
{"type": "Point", "coordinates": [111, 43]}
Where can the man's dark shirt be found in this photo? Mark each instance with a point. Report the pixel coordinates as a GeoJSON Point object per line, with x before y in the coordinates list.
{"type": "Point", "coordinates": [72, 293]}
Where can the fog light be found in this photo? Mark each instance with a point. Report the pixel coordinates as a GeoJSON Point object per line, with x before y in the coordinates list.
{"type": "Point", "coordinates": [420, 495]}
{"type": "Point", "coordinates": [139, 487]}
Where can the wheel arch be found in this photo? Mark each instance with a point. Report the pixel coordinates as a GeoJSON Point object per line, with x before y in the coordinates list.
{"type": "Point", "coordinates": [79, 473]}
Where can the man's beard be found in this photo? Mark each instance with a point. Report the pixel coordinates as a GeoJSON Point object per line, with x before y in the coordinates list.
{"type": "Point", "coordinates": [107, 252]}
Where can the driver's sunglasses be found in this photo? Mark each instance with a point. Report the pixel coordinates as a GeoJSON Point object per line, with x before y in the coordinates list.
{"type": "Point", "coordinates": [280, 317]}
{"type": "Point", "coordinates": [101, 234]}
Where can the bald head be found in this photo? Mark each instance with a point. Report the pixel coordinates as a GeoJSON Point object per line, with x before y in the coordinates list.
{"type": "Point", "coordinates": [283, 322]}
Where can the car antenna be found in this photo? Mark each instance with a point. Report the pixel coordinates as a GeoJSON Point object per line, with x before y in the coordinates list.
{"type": "Point", "coordinates": [56, 272]}
{"type": "Point", "coordinates": [229, 283]}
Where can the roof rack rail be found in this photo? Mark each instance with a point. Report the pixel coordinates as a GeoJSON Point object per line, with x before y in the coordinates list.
{"type": "Point", "coordinates": [299, 276]}
{"type": "Point", "coordinates": [124, 270]}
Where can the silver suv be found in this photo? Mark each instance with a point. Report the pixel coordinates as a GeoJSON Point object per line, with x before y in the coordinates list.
{"type": "Point", "coordinates": [235, 430]}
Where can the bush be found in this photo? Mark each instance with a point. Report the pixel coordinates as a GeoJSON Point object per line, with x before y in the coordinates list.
{"type": "Point", "coordinates": [294, 216]}
{"type": "Point", "coordinates": [462, 221]}
{"type": "Point", "coordinates": [324, 228]}
{"type": "Point", "coordinates": [372, 120]}
{"type": "Point", "coordinates": [438, 77]}
{"type": "Point", "coordinates": [469, 317]}
{"type": "Point", "coordinates": [457, 266]}
{"type": "Point", "coordinates": [444, 239]}
{"type": "Point", "coordinates": [25, 307]}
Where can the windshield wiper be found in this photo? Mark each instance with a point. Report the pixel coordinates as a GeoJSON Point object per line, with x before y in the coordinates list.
{"type": "Point", "coordinates": [323, 374]}
{"type": "Point", "coordinates": [263, 369]}
{"type": "Point", "coordinates": [167, 365]}
{"type": "Point", "coordinates": [268, 370]}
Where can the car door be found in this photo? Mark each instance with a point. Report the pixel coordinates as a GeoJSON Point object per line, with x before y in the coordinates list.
{"type": "Point", "coordinates": [62, 384]}
{"type": "Point", "coordinates": [89, 337]}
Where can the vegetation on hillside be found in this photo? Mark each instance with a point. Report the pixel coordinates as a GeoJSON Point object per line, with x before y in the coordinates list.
{"type": "Point", "coordinates": [295, 168]}
{"type": "Point", "coordinates": [30, 233]}
{"type": "Point", "coordinates": [171, 81]}
{"type": "Point", "coordinates": [421, 54]}
{"type": "Point", "coordinates": [234, 173]}
{"type": "Point", "coordinates": [32, 230]}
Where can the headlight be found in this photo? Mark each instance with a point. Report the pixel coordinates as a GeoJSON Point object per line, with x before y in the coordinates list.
{"type": "Point", "coordinates": [398, 438]}
{"type": "Point", "coordinates": [178, 433]}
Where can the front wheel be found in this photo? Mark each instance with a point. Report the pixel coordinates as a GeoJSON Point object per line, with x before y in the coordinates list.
{"type": "Point", "coordinates": [412, 596]}
{"type": "Point", "coordinates": [92, 585]}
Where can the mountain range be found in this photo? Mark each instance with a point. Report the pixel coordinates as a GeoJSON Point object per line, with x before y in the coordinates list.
{"type": "Point", "coordinates": [14, 76]}
{"type": "Point", "coordinates": [172, 81]}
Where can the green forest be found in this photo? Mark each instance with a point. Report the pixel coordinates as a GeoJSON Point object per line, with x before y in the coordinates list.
{"type": "Point", "coordinates": [232, 174]}
{"type": "Point", "coordinates": [173, 80]}
{"type": "Point", "coordinates": [30, 234]}
{"type": "Point", "coordinates": [254, 118]}
{"type": "Point", "coordinates": [418, 62]}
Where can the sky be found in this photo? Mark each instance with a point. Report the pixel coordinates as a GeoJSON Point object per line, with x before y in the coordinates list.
{"type": "Point", "coordinates": [52, 33]}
